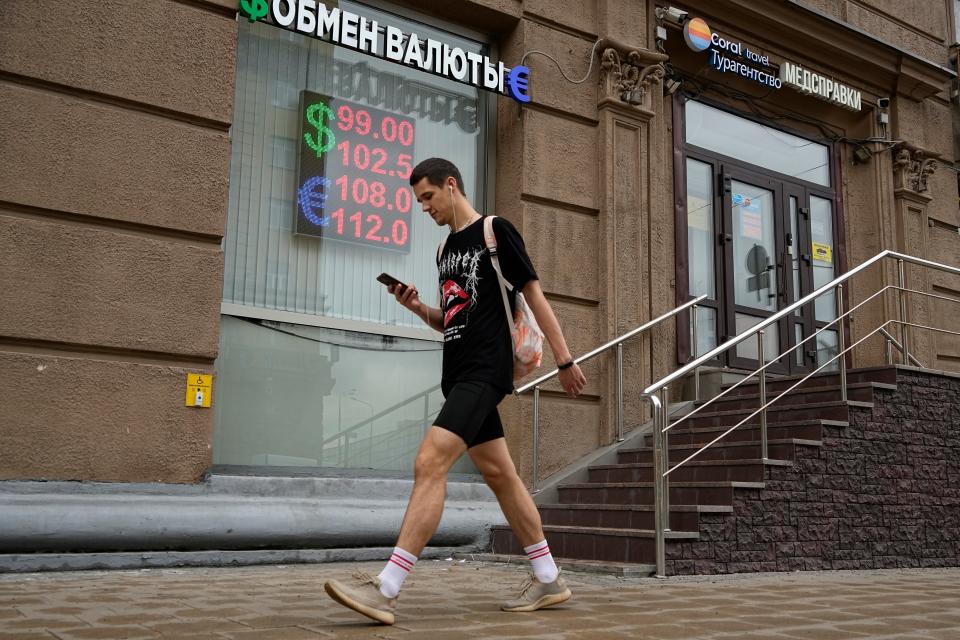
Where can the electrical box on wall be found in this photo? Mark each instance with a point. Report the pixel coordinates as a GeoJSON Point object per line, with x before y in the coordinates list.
{"type": "Point", "coordinates": [199, 389]}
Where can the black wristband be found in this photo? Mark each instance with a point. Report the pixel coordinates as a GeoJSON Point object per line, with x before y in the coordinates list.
{"type": "Point", "coordinates": [565, 365]}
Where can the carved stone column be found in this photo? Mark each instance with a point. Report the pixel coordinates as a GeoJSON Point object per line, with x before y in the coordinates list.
{"type": "Point", "coordinates": [912, 167]}
{"type": "Point", "coordinates": [636, 252]}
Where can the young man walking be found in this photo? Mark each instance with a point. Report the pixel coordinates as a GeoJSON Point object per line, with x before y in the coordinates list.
{"type": "Point", "coordinates": [477, 374]}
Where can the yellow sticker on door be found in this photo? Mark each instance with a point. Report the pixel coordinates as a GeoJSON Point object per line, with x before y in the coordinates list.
{"type": "Point", "coordinates": [822, 252]}
{"type": "Point", "coordinates": [199, 386]}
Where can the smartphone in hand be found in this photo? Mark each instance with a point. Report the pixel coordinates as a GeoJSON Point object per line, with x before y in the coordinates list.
{"type": "Point", "coordinates": [387, 279]}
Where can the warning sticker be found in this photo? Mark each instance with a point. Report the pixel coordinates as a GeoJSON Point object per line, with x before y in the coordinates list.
{"type": "Point", "coordinates": [822, 252]}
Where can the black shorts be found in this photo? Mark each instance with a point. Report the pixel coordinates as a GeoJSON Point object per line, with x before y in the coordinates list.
{"type": "Point", "coordinates": [470, 411]}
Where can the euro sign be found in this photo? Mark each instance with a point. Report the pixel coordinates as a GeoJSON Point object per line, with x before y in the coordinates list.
{"type": "Point", "coordinates": [315, 115]}
{"type": "Point", "coordinates": [518, 83]}
{"type": "Point", "coordinates": [254, 9]}
{"type": "Point", "coordinates": [312, 197]}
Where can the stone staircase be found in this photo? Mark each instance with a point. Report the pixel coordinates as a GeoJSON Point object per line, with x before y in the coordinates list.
{"type": "Point", "coordinates": [609, 519]}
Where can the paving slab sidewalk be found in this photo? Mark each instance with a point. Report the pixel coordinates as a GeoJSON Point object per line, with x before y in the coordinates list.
{"type": "Point", "coordinates": [460, 599]}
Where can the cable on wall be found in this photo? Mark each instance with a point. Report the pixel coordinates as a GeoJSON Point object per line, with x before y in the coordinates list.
{"type": "Point", "coordinates": [557, 62]}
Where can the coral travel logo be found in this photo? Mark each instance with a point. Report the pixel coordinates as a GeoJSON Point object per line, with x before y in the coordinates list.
{"type": "Point", "coordinates": [697, 34]}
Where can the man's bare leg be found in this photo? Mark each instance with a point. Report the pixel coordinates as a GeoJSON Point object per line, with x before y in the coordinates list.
{"type": "Point", "coordinates": [376, 597]}
{"type": "Point", "coordinates": [494, 462]}
{"type": "Point", "coordinates": [439, 451]}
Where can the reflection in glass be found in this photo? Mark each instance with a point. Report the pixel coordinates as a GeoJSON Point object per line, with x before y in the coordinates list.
{"type": "Point", "coordinates": [700, 235]}
{"type": "Point", "coordinates": [748, 348]}
{"type": "Point", "coordinates": [828, 347]}
{"type": "Point", "coordinates": [743, 139]}
{"type": "Point", "coordinates": [754, 249]}
{"type": "Point", "coordinates": [823, 255]}
{"type": "Point", "coordinates": [798, 334]}
{"type": "Point", "coordinates": [706, 330]}
{"type": "Point", "coordinates": [290, 395]}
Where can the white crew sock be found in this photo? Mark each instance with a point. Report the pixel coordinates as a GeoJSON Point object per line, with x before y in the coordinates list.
{"type": "Point", "coordinates": [542, 560]}
{"type": "Point", "coordinates": [396, 571]}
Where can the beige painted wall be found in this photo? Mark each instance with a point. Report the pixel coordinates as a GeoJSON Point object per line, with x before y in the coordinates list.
{"type": "Point", "coordinates": [114, 120]}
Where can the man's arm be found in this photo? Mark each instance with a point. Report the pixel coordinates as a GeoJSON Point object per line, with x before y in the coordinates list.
{"type": "Point", "coordinates": [410, 298]}
{"type": "Point", "coordinates": [571, 379]}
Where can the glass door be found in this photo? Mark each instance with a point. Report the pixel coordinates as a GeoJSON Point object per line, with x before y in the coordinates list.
{"type": "Point", "coordinates": [753, 255]}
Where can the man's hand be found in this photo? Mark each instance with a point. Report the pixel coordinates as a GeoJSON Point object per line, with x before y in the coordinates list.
{"type": "Point", "coordinates": [408, 296]}
{"type": "Point", "coordinates": [572, 380]}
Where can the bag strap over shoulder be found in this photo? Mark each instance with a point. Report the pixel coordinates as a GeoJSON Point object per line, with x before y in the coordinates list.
{"type": "Point", "coordinates": [490, 240]}
{"type": "Point", "coordinates": [443, 243]}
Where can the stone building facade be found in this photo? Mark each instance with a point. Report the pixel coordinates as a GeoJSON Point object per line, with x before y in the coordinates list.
{"type": "Point", "coordinates": [124, 132]}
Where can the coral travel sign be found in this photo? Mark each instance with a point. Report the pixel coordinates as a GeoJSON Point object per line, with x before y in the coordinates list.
{"type": "Point", "coordinates": [730, 56]}
{"type": "Point", "coordinates": [347, 29]}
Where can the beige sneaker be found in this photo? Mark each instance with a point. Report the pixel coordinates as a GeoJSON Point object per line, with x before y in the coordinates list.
{"type": "Point", "coordinates": [537, 595]}
{"type": "Point", "coordinates": [363, 597]}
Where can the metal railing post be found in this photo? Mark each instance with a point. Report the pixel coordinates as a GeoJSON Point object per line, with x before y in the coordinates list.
{"type": "Point", "coordinates": [694, 350]}
{"type": "Point", "coordinates": [903, 312]}
{"type": "Point", "coordinates": [665, 457]}
{"type": "Point", "coordinates": [842, 344]}
{"type": "Point", "coordinates": [536, 439]}
{"type": "Point", "coordinates": [658, 490]}
{"type": "Point", "coordinates": [889, 351]}
{"type": "Point", "coordinates": [761, 358]}
{"type": "Point", "coordinates": [619, 392]}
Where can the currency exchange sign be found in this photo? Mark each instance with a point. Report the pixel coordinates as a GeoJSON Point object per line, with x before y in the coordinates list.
{"type": "Point", "coordinates": [353, 167]}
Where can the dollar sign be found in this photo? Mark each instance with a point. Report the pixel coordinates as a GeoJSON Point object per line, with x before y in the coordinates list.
{"type": "Point", "coordinates": [255, 9]}
{"type": "Point", "coordinates": [315, 115]}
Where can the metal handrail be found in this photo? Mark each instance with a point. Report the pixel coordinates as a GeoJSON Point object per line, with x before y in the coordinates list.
{"type": "Point", "coordinates": [710, 355]}
{"type": "Point", "coordinates": [657, 392]}
{"type": "Point", "coordinates": [425, 394]}
{"type": "Point", "coordinates": [616, 342]}
{"type": "Point", "coordinates": [892, 342]}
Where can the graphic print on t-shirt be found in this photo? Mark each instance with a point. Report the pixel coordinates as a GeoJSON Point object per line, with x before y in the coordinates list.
{"type": "Point", "coordinates": [460, 273]}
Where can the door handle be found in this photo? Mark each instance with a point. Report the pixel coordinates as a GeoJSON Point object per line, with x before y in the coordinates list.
{"type": "Point", "coordinates": [726, 237]}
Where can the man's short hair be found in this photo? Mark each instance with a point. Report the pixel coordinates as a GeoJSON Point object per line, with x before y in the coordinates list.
{"type": "Point", "coordinates": [436, 171]}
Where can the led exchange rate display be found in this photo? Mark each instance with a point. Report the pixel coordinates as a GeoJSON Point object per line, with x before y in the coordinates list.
{"type": "Point", "coordinates": [354, 163]}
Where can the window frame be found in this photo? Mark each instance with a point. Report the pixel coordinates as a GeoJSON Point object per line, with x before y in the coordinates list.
{"type": "Point", "coordinates": [683, 150]}
{"type": "Point", "coordinates": [486, 163]}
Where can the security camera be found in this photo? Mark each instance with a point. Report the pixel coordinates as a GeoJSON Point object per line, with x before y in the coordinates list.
{"type": "Point", "coordinates": [883, 103]}
{"type": "Point", "coordinates": [671, 14]}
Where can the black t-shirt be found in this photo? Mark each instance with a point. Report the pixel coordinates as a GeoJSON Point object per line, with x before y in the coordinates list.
{"type": "Point", "coordinates": [476, 337]}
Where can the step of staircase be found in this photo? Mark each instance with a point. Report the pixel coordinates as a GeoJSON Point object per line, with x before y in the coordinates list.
{"type": "Point", "coordinates": [707, 493]}
{"type": "Point", "coordinates": [860, 391]}
{"type": "Point", "coordinates": [886, 376]}
{"type": "Point", "coordinates": [694, 471]}
{"type": "Point", "coordinates": [635, 516]}
{"type": "Point", "coordinates": [779, 449]}
{"type": "Point", "coordinates": [780, 412]}
{"type": "Point", "coordinates": [615, 569]}
{"type": "Point", "coordinates": [802, 429]}
{"type": "Point", "coordinates": [592, 543]}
